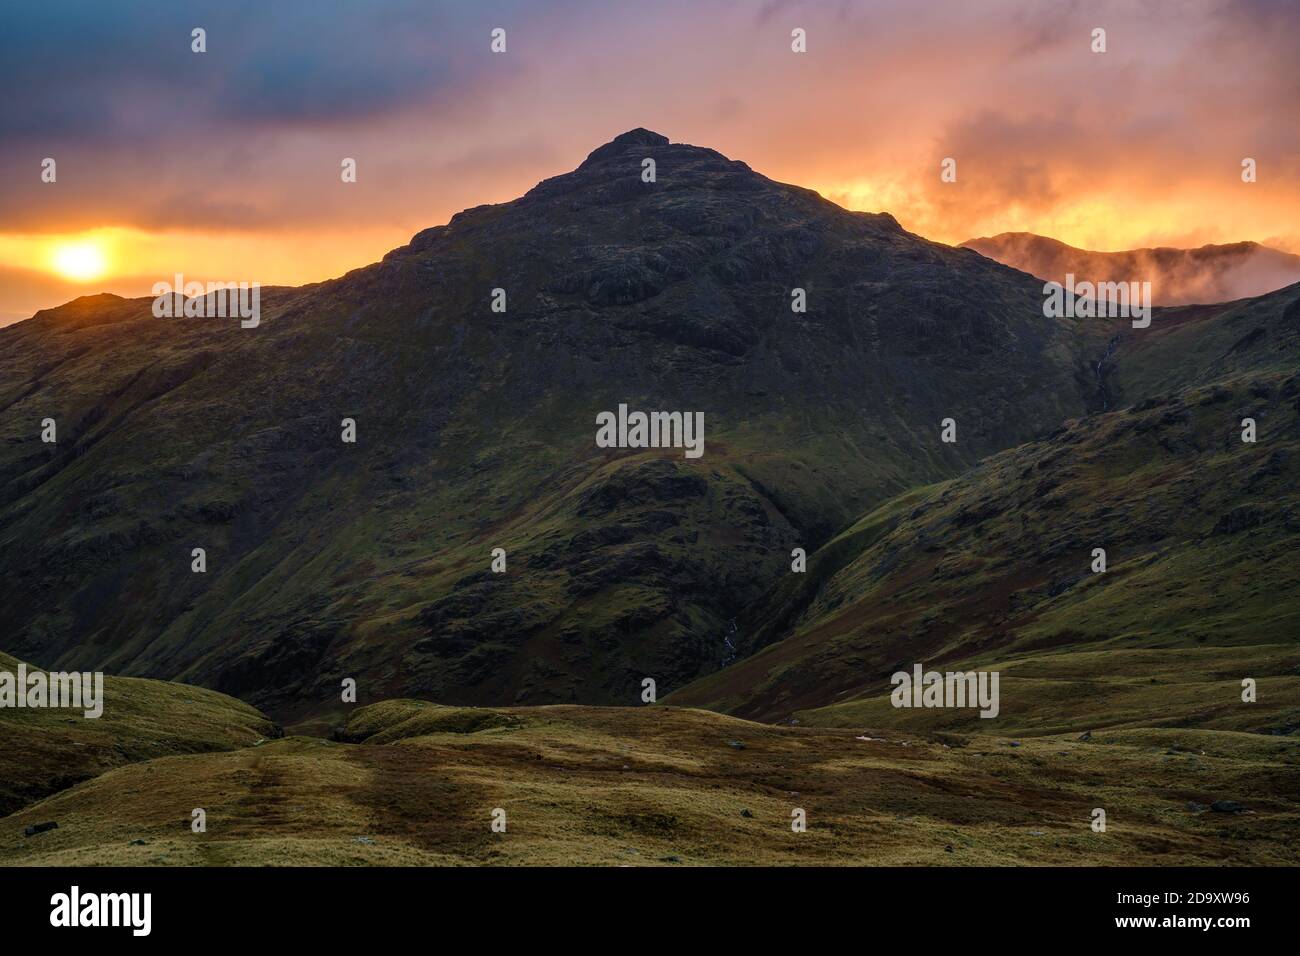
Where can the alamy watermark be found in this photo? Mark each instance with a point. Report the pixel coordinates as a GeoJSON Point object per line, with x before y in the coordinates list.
{"type": "Point", "coordinates": [38, 689]}
{"type": "Point", "coordinates": [74, 908]}
{"type": "Point", "coordinates": [651, 430]}
{"type": "Point", "coordinates": [953, 689]}
{"type": "Point", "coordinates": [1088, 300]}
{"type": "Point", "coordinates": [242, 300]}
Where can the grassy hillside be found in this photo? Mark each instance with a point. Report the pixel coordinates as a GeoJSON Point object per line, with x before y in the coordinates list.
{"type": "Point", "coordinates": [992, 570]}
{"type": "Point", "coordinates": [43, 751]}
{"type": "Point", "coordinates": [662, 786]}
{"type": "Point", "coordinates": [1199, 345]}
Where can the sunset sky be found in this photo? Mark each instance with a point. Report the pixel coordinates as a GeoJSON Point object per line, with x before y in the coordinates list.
{"type": "Point", "coordinates": [226, 165]}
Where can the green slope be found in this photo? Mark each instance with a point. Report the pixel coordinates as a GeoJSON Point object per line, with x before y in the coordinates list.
{"type": "Point", "coordinates": [992, 570]}
{"type": "Point", "coordinates": [43, 751]}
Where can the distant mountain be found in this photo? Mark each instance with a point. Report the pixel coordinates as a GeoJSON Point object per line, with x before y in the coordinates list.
{"type": "Point", "coordinates": [26, 290]}
{"type": "Point", "coordinates": [1214, 273]}
{"type": "Point", "coordinates": [476, 430]}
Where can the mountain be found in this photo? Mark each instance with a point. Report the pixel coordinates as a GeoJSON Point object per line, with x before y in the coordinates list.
{"type": "Point", "coordinates": [1212, 273]}
{"type": "Point", "coordinates": [476, 430]}
{"type": "Point", "coordinates": [993, 569]}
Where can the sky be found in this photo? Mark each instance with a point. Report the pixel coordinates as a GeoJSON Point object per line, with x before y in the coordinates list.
{"type": "Point", "coordinates": [225, 165]}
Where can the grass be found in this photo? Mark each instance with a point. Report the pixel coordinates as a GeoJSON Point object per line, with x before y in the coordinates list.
{"type": "Point", "coordinates": [662, 786]}
{"type": "Point", "coordinates": [992, 570]}
{"type": "Point", "coordinates": [43, 751]}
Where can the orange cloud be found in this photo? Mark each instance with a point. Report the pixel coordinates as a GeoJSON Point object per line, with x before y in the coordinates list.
{"type": "Point", "coordinates": [216, 169]}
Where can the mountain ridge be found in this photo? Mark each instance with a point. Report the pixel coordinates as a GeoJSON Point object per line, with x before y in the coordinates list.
{"type": "Point", "coordinates": [1213, 273]}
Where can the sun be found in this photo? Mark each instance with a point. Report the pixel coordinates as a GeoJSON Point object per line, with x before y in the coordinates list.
{"type": "Point", "coordinates": [80, 261]}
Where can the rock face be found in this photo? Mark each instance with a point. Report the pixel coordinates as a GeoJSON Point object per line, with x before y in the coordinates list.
{"type": "Point", "coordinates": [475, 431]}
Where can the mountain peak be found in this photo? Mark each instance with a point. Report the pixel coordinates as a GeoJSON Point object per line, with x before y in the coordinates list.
{"type": "Point", "coordinates": [640, 137]}
{"type": "Point", "coordinates": [623, 141]}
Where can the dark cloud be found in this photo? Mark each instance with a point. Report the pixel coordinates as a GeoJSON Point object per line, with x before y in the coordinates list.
{"type": "Point", "coordinates": [150, 134]}
{"type": "Point", "coordinates": [102, 71]}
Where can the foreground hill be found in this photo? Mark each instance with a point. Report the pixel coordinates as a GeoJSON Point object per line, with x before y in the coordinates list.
{"type": "Point", "coordinates": [43, 751]}
{"type": "Point", "coordinates": [475, 430]}
{"type": "Point", "coordinates": [412, 783]}
{"type": "Point", "coordinates": [1214, 273]}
